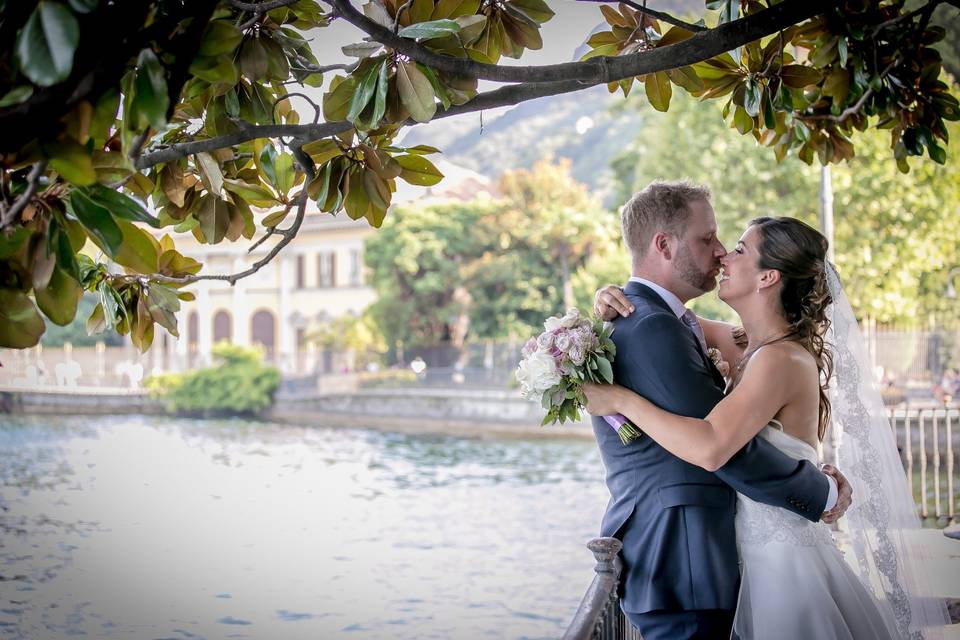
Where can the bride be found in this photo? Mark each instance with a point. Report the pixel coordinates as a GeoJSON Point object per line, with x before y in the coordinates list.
{"type": "Point", "coordinates": [794, 580]}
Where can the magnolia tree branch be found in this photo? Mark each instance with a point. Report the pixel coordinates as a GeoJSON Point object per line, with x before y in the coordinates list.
{"type": "Point", "coordinates": [503, 97]}
{"type": "Point", "coordinates": [570, 77]}
{"type": "Point", "coordinates": [33, 182]}
{"type": "Point", "coordinates": [858, 105]}
{"type": "Point", "coordinates": [245, 133]}
{"type": "Point", "coordinates": [653, 13]}
{"type": "Point", "coordinates": [260, 7]}
{"type": "Point", "coordinates": [286, 237]}
{"type": "Point", "coordinates": [910, 15]}
{"type": "Point", "coordinates": [701, 46]}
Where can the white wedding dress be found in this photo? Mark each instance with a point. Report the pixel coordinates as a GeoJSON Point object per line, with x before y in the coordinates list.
{"type": "Point", "coordinates": [795, 583]}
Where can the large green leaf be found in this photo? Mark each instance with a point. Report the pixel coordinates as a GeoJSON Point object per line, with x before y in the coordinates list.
{"type": "Point", "coordinates": [83, 6]}
{"type": "Point", "coordinates": [11, 244]}
{"type": "Point", "coordinates": [256, 194]}
{"type": "Point", "coordinates": [47, 42]}
{"type": "Point", "coordinates": [336, 103]}
{"type": "Point", "coordinates": [659, 90]}
{"type": "Point", "coordinates": [432, 29]}
{"type": "Point", "coordinates": [415, 92]}
{"type": "Point", "coordinates": [380, 97]}
{"type": "Point", "coordinates": [214, 219]}
{"type": "Point", "coordinates": [357, 201]}
{"type": "Point", "coordinates": [111, 166]}
{"type": "Point", "coordinates": [363, 93]}
{"type": "Point", "coordinates": [752, 96]}
{"type": "Point", "coordinates": [799, 76]}
{"type": "Point", "coordinates": [418, 170]}
{"type": "Point", "coordinates": [210, 173]}
{"type": "Point", "coordinates": [150, 99]}
{"type": "Point", "coordinates": [455, 8]}
{"type": "Point", "coordinates": [97, 221]}
{"type": "Point", "coordinates": [377, 189]}
{"type": "Point", "coordinates": [71, 160]}
{"type": "Point", "coordinates": [284, 173]}
{"type": "Point", "coordinates": [321, 151]}
{"type": "Point", "coordinates": [20, 323]}
{"type": "Point", "coordinates": [253, 60]}
{"type": "Point", "coordinates": [121, 205]}
{"type": "Point", "coordinates": [140, 251]}
{"type": "Point", "coordinates": [537, 10]}
{"type": "Point", "coordinates": [58, 300]}
{"type": "Point", "coordinates": [221, 36]}
{"type": "Point", "coordinates": [16, 95]}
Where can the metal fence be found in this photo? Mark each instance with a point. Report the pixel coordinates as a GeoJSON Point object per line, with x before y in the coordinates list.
{"type": "Point", "coordinates": [928, 440]}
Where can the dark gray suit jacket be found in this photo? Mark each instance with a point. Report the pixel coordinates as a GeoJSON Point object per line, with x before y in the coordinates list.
{"type": "Point", "coordinates": [676, 520]}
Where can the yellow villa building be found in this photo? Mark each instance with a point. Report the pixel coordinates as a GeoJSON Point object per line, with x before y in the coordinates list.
{"type": "Point", "coordinates": [319, 276]}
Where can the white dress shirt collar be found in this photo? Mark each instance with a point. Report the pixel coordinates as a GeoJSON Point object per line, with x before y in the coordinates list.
{"type": "Point", "coordinates": [668, 296]}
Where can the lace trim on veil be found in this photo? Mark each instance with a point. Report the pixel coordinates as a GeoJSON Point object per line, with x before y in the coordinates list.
{"type": "Point", "coordinates": [883, 512]}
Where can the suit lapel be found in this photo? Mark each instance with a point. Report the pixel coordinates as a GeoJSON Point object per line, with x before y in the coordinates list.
{"type": "Point", "coordinates": [641, 290]}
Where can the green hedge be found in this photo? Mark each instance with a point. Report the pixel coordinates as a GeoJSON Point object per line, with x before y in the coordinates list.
{"type": "Point", "coordinates": [238, 384]}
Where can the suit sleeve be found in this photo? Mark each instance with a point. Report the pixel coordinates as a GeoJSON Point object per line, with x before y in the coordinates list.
{"type": "Point", "coordinates": [664, 353]}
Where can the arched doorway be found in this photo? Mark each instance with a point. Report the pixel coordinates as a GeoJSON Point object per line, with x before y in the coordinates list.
{"type": "Point", "coordinates": [222, 326]}
{"type": "Point", "coordinates": [263, 331]}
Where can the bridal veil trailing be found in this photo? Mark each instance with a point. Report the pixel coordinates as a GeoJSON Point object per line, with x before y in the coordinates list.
{"type": "Point", "coordinates": [882, 523]}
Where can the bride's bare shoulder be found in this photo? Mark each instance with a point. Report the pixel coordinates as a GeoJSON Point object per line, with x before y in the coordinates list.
{"type": "Point", "coordinates": [786, 353]}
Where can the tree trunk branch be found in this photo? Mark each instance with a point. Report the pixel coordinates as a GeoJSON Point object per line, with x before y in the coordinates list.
{"type": "Point", "coordinates": [287, 236]}
{"type": "Point", "coordinates": [699, 47]}
{"type": "Point", "coordinates": [33, 181]}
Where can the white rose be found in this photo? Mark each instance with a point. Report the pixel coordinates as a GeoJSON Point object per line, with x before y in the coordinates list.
{"type": "Point", "coordinates": [564, 341]}
{"type": "Point", "coordinates": [553, 323]}
{"type": "Point", "coordinates": [572, 318]}
{"type": "Point", "coordinates": [538, 373]}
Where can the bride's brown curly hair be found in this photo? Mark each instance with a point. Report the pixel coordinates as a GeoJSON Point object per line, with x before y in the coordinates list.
{"type": "Point", "coordinates": [799, 253]}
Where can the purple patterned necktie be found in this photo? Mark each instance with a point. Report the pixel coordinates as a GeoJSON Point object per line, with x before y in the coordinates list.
{"type": "Point", "coordinates": [690, 319]}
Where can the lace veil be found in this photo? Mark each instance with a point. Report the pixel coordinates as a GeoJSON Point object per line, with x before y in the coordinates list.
{"type": "Point", "coordinates": [882, 522]}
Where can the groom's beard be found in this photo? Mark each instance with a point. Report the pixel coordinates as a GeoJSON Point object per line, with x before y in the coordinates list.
{"type": "Point", "coordinates": [690, 273]}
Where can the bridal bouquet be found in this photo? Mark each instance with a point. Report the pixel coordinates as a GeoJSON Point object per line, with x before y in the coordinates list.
{"type": "Point", "coordinates": [572, 350]}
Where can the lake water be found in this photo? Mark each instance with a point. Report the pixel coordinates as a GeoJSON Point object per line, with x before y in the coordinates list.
{"type": "Point", "coordinates": [148, 527]}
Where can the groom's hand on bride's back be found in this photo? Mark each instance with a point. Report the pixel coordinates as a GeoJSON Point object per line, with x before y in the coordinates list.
{"type": "Point", "coordinates": [610, 301]}
{"type": "Point", "coordinates": [844, 495]}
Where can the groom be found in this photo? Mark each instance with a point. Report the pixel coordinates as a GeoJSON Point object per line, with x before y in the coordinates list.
{"type": "Point", "coordinates": [680, 574]}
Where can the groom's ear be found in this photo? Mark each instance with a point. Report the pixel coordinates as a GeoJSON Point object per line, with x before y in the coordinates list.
{"type": "Point", "coordinates": [660, 242]}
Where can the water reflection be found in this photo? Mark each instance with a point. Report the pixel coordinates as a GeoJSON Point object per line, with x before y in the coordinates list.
{"type": "Point", "coordinates": [156, 528]}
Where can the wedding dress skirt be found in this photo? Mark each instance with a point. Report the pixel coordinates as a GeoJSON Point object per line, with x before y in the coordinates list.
{"type": "Point", "coordinates": [795, 583]}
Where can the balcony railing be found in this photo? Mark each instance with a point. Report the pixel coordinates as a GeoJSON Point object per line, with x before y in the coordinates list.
{"type": "Point", "coordinates": [927, 440]}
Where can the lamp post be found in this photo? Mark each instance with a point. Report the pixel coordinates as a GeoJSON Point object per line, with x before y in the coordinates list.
{"type": "Point", "coordinates": [826, 208]}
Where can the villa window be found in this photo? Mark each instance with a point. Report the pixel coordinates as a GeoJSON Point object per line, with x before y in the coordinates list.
{"type": "Point", "coordinates": [356, 268]}
{"type": "Point", "coordinates": [327, 269]}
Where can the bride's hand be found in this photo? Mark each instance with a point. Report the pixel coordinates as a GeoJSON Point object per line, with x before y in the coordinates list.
{"type": "Point", "coordinates": [602, 399]}
{"type": "Point", "coordinates": [610, 301]}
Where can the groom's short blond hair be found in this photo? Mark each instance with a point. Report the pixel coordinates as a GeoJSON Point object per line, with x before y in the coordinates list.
{"type": "Point", "coordinates": [661, 206]}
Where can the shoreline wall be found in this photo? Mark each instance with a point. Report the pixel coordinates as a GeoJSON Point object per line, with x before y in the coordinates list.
{"type": "Point", "coordinates": [467, 412]}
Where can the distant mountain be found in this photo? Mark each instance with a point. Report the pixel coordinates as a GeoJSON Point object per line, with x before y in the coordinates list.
{"type": "Point", "coordinates": [579, 126]}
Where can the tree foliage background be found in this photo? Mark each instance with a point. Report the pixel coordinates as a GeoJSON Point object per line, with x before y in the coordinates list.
{"type": "Point", "coordinates": [186, 123]}
{"type": "Point", "coordinates": [895, 239]}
